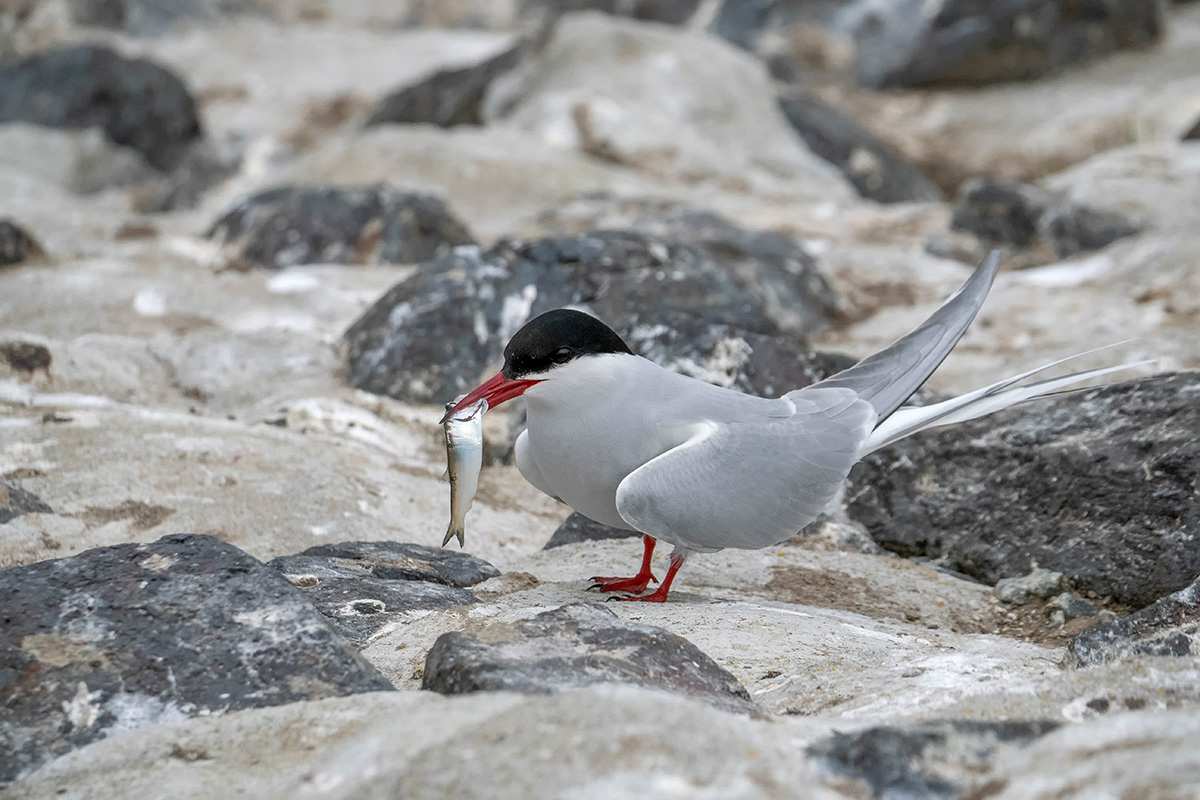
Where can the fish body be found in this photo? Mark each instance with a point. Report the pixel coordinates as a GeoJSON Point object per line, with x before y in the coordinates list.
{"type": "Point", "coordinates": [464, 460]}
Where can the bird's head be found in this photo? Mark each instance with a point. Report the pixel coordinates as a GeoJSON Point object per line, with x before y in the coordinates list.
{"type": "Point", "coordinates": [538, 351]}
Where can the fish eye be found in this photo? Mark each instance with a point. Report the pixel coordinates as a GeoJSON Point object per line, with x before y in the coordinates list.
{"type": "Point", "coordinates": [562, 355]}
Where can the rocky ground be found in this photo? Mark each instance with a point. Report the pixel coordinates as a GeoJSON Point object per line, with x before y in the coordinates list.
{"type": "Point", "coordinates": [248, 248]}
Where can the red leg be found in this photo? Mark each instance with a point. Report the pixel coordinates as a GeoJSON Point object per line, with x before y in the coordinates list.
{"type": "Point", "coordinates": [660, 594]}
{"type": "Point", "coordinates": [635, 584]}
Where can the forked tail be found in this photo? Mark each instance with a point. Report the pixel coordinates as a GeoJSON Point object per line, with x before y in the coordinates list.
{"type": "Point", "coordinates": [1000, 395]}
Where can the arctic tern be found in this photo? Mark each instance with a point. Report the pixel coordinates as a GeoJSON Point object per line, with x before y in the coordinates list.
{"type": "Point", "coordinates": [630, 444]}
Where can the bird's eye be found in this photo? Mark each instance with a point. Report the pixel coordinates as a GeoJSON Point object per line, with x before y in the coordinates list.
{"type": "Point", "coordinates": [562, 355]}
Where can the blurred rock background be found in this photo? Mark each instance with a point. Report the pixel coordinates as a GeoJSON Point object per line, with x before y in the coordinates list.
{"type": "Point", "coordinates": [248, 247]}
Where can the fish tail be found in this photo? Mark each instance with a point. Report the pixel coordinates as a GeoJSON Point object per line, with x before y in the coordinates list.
{"type": "Point", "coordinates": [455, 531]}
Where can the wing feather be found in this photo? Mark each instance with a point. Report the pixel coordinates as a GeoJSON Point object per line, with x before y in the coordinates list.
{"type": "Point", "coordinates": [749, 483]}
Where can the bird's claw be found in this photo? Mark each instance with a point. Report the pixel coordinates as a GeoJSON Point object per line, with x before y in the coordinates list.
{"type": "Point", "coordinates": [634, 585]}
{"type": "Point", "coordinates": [658, 596]}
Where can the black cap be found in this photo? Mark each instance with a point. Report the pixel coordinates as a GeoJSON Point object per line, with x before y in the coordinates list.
{"type": "Point", "coordinates": [557, 337]}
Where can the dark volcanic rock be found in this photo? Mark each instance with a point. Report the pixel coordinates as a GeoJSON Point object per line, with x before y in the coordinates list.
{"type": "Point", "coordinates": [1000, 212]}
{"type": "Point", "coordinates": [578, 528]}
{"type": "Point", "coordinates": [1073, 228]}
{"type": "Point", "coordinates": [137, 634]}
{"type": "Point", "coordinates": [1169, 627]}
{"type": "Point", "coordinates": [15, 501]}
{"type": "Point", "coordinates": [876, 169]}
{"type": "Point", "coordinates": [403, 562]}
{"type": "Point", "coordinates": [1098, 485]}
{"type": "Point", "coordinates": [431, 337]}
{"type": "Point", "coordinates": [445, 98]}
{"type": "Point", "coordinates": [766, 366]}
{"type": "Point", "coordinates": [935, 42]}
{"type": "Point", "coordinates": [362, 586]}
{"type": "Point", "coordinates": [963, 42]}
{"type": "Point", "coordinates": [296, 225]}
{"type": "Point", "coordinates": [136, 102]}
{"type": "Point", "coordinates": [578, 645]}
{"type": "Point", "coordinates": [922, 760]}
{"type": "Point", "coordinates": [1067, 607]}
{"type": "Point", "coordinates": [1019, 214]}
{"type": "Point", "coordinates": [17, 244]}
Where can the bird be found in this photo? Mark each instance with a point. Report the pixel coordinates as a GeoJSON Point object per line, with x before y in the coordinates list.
{"type": "Point", "coordinates": [636, 446]}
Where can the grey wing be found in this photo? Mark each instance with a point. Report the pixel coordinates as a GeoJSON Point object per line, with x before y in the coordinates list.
{"type": "Point", "coordinates": [889, 377]}
{"type": "Point", "coordinates": [749, 483]}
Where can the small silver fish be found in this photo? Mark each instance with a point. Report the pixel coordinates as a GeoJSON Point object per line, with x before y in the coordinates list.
{"type": "Point", "coordinates": [464, 459]}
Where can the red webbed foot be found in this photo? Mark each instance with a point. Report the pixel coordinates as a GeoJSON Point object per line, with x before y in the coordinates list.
{"type": "Point", "coordinates": [637, 583]}
{"type": "Point", "coordinates": [659, 595]}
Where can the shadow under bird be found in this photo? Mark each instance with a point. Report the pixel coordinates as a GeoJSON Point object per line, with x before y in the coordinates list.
{"type": "Point", "coordinates": [630, 444]}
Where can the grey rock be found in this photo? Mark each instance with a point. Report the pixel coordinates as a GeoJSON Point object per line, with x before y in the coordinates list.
{"type": "Point", "coordinates": [741, 22]}
{"type": "Point", "coordinates": [296, 225]}
{"type": "Point", "coordinates": [447, 97]}
{"type": "Point", "coordinates": [1066, 607]}
{"type": "Point", "coordinates": [15, 501]}
{"type": "Point", "coordinates": [136, 102]}
{"type": "Point", "coordinates": [1132, 754]}
{"type": "Point", "coordinates": [573, 646]}
{"type": "Point", "coordinates": [1073, 228]}
{"type": "Point", "coordinates": [921, 760]}
{"type": "Point", "coordinates": [1000, 212]}
{"type": "Point", "coordinates": [132, 635]}
{"type": "Point", "coordinates": [154, 17]}
{"type": "Point", "coordinates": [1020, 215]}
{"type": "Point", "coordinates": [956, 246]}
{"type": "Point", "coordinates": [754, 363]}
{"type": "Point", "coordinates": [578, 528]}
{"type": "Point", "coordinates": [946, 42]}
{"type": "Point", "coordinates": [203, 167]}
{"type": "Point", "coordinates": [402, 562]}
{"type": "Point", "coordinates": [1038, 583]}
{"type": "Point", "coordinates": [960, 42]}
{"type": "Point", "coordinates": [362, 586]}
{"type": "Point", "coordinates": [876, 169]}
{"type": "Point", "coordinates": [431, 337]}
{"type": "Point", "coordinates": [17, 244]}
{"type": "Point", "coordinates": [1097, 485]}
{"type": "Point", "coordinates": [356, 602]}
{"type": "Point", "coordinates": [1169, 627]}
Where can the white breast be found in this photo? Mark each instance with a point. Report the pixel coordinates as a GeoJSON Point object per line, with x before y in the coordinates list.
{"type": "Point", "coordinates": [598, 418]}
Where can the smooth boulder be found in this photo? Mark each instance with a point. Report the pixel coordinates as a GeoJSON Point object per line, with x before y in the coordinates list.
{"type": "Point", "coordinates": [136, 102]}
{"type": "Point", "coordinates": [132, 635]}
{"type": "Point", "coordinates": [705, 297]}
{"type": "Point", "coordinates": [575, 646]}
{"type": "Point", "coordinates": [291, 225]}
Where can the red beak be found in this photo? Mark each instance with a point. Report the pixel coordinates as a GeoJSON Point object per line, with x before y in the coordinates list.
{"type": "Point", "coordinates": [495, 390]}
